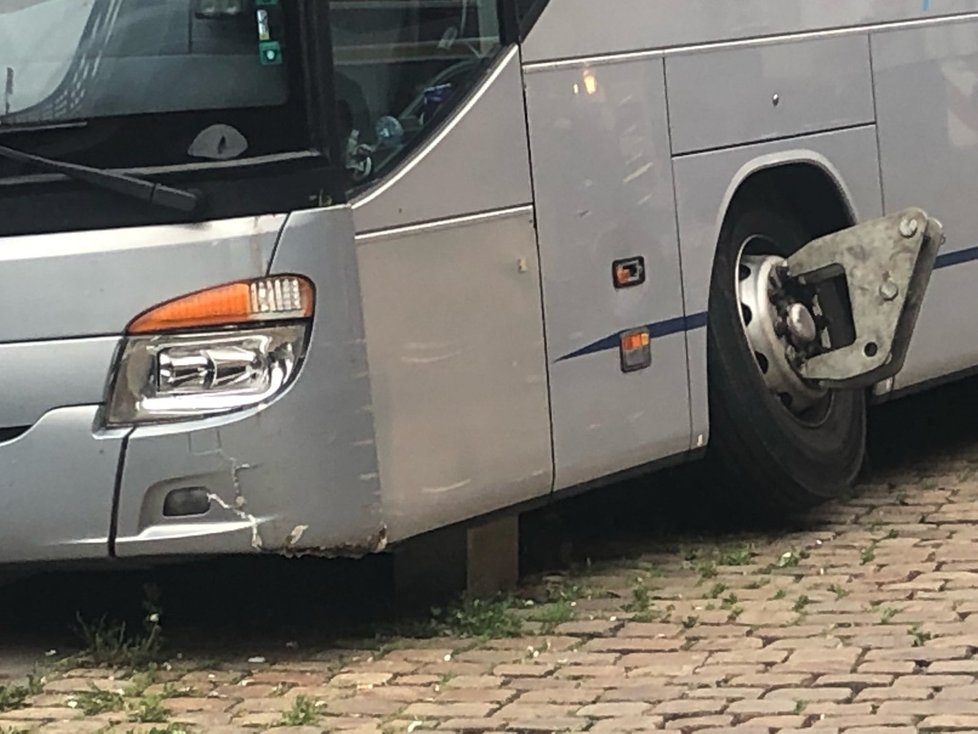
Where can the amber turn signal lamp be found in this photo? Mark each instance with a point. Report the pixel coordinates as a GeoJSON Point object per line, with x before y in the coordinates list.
{"type": "Point", "coordinates": [276, 298]}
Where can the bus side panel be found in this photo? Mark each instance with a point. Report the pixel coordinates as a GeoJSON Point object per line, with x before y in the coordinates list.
{"type": "Point", "coordinates": [653, 24]}
{"type": "Point", "coordinates": [603, 186]}
{"type": "Point", "coordinates": [719, 99]}
{"type": "Point", "coordinates": [705, 185]}
{"type": "Point", "coordinates": [927, 98]}
{"type": "Point", "coordinates": [457, 368]}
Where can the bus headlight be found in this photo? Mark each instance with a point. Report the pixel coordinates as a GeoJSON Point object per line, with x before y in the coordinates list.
{"type": "Point", "coordinates": [180, 377]}
{"type": "Point", "coordinates": [172, 369]}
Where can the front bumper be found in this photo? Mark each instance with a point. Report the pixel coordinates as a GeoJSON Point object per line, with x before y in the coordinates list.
{"type": "Point", "coordinates": [297, 474]}
{"type": "Point", "coordinates": [56, 488]}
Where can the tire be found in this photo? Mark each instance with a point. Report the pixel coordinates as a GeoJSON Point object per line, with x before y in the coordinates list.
{"type": "Point", "coordinates": [766, 461]}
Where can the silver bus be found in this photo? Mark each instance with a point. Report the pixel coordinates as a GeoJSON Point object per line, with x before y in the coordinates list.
{"type": "Point", "coordinates": [322, 276]}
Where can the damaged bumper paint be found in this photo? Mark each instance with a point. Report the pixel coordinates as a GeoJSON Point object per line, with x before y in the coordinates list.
{"type": "Point", "coordinates": [298, 475]}
{"type": "Point", "coordinates": [295, 475]}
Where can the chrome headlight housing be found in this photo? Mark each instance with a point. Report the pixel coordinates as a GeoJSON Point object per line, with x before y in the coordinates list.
{"type": "Point", "coordinates": [172, 369]}
{"type": "Point", "coordinates": [179, 377]}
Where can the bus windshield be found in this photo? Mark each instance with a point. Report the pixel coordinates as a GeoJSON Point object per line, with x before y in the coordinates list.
{"type": "Point", "coordinates": [62, 60]}
{"type": "Point", "coordinates": [84, 61]}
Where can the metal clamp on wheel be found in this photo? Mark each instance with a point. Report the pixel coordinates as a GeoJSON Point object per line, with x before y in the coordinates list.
{"type": "Point", "coordinates": [885, 266]}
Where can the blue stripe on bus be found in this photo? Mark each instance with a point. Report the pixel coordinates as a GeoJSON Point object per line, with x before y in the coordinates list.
{"type": "Point", "coordinates": [956, 258]}
{"type": "Point", "coordinates": [657, 330]}
{"type": "Point", "coordinates": [698, 320]}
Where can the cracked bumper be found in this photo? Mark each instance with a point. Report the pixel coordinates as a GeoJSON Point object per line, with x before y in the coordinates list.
{"type": "Point", "coordinates": [298, 475]}
{"type": "Point", "coordinates": [277, 481]}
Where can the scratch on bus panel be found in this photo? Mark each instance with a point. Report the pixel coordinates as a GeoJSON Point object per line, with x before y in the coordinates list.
{"type": "Point", "coordinates": [240, 502]}
{"type": "Point", "coordinates": [427, 345]}
{"type": "Point", "coordinates": [447, 487]}
{"type": "Point", "coordinates": [376, 543]}
{"type": "Point", "coordinates": [433, 360]}
{"type": "Point", "coordinates": [638, 173]}
{"type": "Point", "coordinates": [296, 535]}
{"type": "Point", "coordinates": [256, 541]}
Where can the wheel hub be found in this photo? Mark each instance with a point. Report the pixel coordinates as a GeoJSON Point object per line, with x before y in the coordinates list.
{"type": "Point", "coordinates": [779, 328]}
{"type": "Point", "coordinates": [801, 325]}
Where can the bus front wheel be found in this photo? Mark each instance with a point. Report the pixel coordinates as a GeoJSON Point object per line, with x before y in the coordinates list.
{"type": "Point", "coordinates": [779, 444]}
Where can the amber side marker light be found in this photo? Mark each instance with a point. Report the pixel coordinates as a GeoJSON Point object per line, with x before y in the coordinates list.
{"type": "Point", "coordinates": [636, 350]}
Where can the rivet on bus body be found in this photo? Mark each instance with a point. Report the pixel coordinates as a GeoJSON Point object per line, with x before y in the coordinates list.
{"type": "Point", "coordinates": [776, 99]}
{"type": "Point", "coordinates": [522, 265]}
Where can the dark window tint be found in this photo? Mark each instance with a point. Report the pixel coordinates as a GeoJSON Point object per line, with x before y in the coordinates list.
{"type": "Point", "coordinates": [400, 65]}
{"type": "Point", "coordinates": [528, 12]}
{"type": "Point", "coordinates": [65, 60]}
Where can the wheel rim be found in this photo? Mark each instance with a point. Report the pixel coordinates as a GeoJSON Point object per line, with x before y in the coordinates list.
{"type": "Point", "coordinates": [774, 327]}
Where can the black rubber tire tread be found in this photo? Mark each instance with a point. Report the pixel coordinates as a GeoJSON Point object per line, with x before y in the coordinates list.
{"type": "Point", "coordinates": [763, 461]}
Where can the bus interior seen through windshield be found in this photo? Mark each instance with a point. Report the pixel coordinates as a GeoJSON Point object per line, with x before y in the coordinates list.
{"type": "Point", "coordinates": [141, 83]}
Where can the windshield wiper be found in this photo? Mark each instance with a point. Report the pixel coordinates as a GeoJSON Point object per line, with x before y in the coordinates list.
{"type": "Point", "coordinates": [121, 183]}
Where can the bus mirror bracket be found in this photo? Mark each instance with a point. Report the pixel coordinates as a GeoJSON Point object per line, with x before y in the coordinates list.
{"type": "Point", "coordinates": [887, 264]}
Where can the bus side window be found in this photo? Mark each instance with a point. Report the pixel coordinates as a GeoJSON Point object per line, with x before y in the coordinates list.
{"type": "Point", "coordinates": [400, 65]}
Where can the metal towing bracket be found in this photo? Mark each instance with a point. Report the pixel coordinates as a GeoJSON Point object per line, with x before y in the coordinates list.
{"type": "Point", "coordinates": [848, 302]}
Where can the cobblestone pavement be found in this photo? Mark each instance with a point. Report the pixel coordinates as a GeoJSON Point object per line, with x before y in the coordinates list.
{"type": "Point", "coordinates": [864, 621]}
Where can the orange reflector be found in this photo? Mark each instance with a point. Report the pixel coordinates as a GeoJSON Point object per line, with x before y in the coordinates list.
{"type": "Point", "coordinates": [276, 298]}
{"type": "Point", "coordinates": [635, 340]}
{"type": "Point", "coordinates": [636, 350]}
